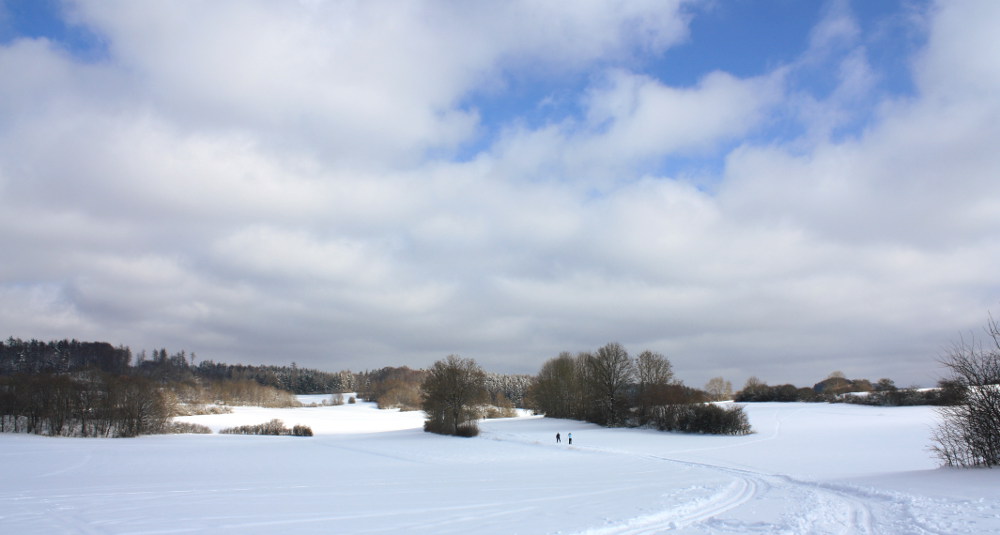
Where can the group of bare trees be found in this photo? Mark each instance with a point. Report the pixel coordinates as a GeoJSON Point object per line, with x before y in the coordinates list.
{"type": "Point", "coordinates": [392, 387]}
{"type": "Point", "coordinates": [610, 388]}
{"type": "Point", "coordinates": [92, 404]}
{"type": "Point", "coordinates": [453, 393]}
{"type": "Point", "coordinates": [604, 386]}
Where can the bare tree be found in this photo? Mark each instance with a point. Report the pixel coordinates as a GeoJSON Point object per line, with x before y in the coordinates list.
{"type": "Point", "coordinates": [719, 389]}
{"type": "Point", "coordinates": [556, 390]}
{"type": "Point", "coordinates": [753, 390]}
{"type": "Point", "coordinates": [452, 394]}
{"type": "Point", "coordinates": [655, 374]}
{"type": "Point", "coordinates": [969, 434]}
{"type": "Point", "coordinates": [608, 373]}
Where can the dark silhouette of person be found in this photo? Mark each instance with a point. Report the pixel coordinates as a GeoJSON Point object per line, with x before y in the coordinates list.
{"type": "Point", "coordinates": [557, 438]}
{"type": "Point", "coordinates": [570, 437]}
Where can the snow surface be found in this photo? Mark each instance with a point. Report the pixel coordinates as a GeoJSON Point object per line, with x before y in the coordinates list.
{"type": "Point", "coordinates": [808, 468]}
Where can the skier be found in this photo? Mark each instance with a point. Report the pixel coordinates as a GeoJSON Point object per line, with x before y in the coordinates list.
{"type": "Point", "coordinates": [570, 437]}
{"type": "Point", "coordinates": [557, 438]}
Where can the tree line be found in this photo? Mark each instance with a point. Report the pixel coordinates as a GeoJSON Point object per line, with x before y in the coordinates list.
{"type": "Point", "coordinates": [66, 356]}
{"type": "Point", "coordinates": [87, 404]}
{"type": "Point", "coordinates": [606, 387]}
{"type": "Point", "coordinates": [93, 389]}
{"type": "Point", "coordinates": [838, 389]}
{"type": "Point", "coordinates": [34, 357]}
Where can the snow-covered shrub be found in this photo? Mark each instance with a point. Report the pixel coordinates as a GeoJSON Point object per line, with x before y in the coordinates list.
{"type": "Point", "coordinates": [492, 411]}
{"type": "Point", "coordinates": [274, 427]}
{"type": "Point", "coordinates": [468, 429]}
{"type": "Point", "coordinates": [185, 428]}
{"type": "Point", "coordinates": [200, 409]}
{"type": "Point", "coordinates": [705, 418]}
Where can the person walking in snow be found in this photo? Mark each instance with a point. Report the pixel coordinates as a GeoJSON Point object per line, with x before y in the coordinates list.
{"type": "Point", "coordinates": [557, 438]}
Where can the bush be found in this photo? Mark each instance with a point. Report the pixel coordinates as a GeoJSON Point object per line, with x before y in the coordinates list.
{"type": "Point", "coordinates": [274, 427]}
{"type": "Point", "coordinates": [178, 428]}
{"type": "Point", "coordinates": [441, 427]}
{"type": "Point", "coordinates": [492, 411]}
{"type": "Point", "coordinates": [199, 409]}
{"type": "Point", "coordinates": [905, 397]}
{"type": "Point", "coordinates": [969, 434]}
{"type": "Point", "coordinates": [704, 418]}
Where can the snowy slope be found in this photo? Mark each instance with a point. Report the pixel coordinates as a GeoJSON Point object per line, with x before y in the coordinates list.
{"type": "Point", "coordinates": [809, 468]}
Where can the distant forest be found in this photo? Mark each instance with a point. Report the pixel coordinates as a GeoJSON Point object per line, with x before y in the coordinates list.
{"type": "Point", "coordinates": [34, 357]}
{"type": "Point", "coordinates": [74, 388]}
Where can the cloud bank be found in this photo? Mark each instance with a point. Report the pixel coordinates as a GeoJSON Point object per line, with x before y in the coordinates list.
{"type": "Point", "coordinates": [353, 185]}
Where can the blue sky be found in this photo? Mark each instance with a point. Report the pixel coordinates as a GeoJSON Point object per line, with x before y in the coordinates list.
{"type": "Point", "coordinates": [47, 19]}
{"type": "Point", "coordinates": [772, 188]}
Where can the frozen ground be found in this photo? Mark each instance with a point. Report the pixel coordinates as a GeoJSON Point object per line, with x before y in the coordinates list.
{"type": "Point", "coordinates": [809, 468]}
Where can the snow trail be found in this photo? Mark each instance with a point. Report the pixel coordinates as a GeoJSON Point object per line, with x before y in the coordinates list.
{"type": "Point", "coordinates": [755, 501]}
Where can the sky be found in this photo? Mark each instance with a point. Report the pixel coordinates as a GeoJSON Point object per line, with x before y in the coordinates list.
{"type": "Point", "coordinates": [767, 188]}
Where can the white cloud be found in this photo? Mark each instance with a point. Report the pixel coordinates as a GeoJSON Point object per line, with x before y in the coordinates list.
{"type": "Point", "coordinates": [962, 56]}
{"type": "Point", "coordinates": [837, 28]}
{"type": "Point", "coordinates": [250, 180]}
{"type": "Point", "coordinates": [360, 82]}
{"type": "Point", "coordinates": [639, 117]}
{"type": "Point", "coordinates": [631, 121]}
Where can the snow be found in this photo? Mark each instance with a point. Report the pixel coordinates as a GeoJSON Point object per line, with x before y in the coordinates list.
{"type": "Point", "coordinates": [808, 468]}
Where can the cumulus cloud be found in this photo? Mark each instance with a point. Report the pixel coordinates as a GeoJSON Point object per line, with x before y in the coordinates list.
{"type": "Point", "coordinates": [274, 182]}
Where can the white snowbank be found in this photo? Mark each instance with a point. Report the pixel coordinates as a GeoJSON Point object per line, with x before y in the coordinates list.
{"type": "Point", "coordinates": [809, 468]}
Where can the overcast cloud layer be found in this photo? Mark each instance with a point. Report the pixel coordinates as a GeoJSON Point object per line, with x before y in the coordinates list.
{"type": "Point", "coordinates": [351, 185]}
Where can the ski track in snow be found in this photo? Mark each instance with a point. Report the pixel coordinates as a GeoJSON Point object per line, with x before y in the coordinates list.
{"type": "Point", "coordinates": [809, 507]}
{"type": "Point", "coordinates": [815, 508]}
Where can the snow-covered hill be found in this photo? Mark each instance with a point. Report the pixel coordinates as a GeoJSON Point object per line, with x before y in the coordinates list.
{"type": "Point", "coordinates": [809, 468]}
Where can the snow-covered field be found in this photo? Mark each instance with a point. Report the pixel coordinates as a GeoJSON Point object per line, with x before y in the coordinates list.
{"type": "Point", "coordinates": [808, 468]}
